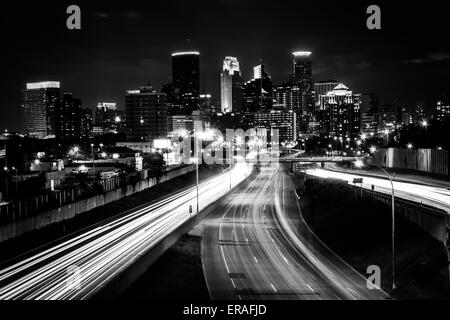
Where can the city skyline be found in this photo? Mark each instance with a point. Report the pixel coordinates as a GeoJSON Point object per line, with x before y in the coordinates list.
{"type": "Point", "coordinates": [121, 68]}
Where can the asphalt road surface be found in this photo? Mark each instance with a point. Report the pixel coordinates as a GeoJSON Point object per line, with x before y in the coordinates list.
{"type": "Point", "coordinates": [257, 246]}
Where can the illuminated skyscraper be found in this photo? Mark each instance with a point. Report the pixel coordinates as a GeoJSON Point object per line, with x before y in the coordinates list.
{"type": "Point", "coordinates": [38, 103]}
{"type": "Point", "coordinates": [443, 110]}
{"type": "Point", "coordinates": [302, 77]}
{"type": "Point", "coordinates": [231, 87]}
{"type": "Point", "coordinates": [342, 112]}
{"type": "Point", "coordinates": [186, 81]}
{"type": "Point", "coordinates": [68, 115]}
{"type": "Point", "coordinates": [146, 114]}
{"type": "Point", "coordinates": [322, 88]}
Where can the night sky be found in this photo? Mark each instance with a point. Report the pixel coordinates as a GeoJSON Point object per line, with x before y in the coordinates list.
{"type": "Point", "coordinates": [124, 46]}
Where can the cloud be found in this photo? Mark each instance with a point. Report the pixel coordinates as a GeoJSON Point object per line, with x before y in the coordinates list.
{"type": "Point", "coordinates": [430, 58]}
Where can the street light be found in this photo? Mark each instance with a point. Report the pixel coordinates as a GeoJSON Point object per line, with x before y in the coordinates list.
{"type": "Point", "coordinates": [424, 124]}
{"type": "Point", "coordinates": [93, 161]}
{"type": "Point", "coordinates": [386, 132]}
{"type": "Point", "coordinates": [410, 146]}
{"type": "Point", "coordinates": [196, 161]}
{"type": "Point", "coordinates": [359, 164]}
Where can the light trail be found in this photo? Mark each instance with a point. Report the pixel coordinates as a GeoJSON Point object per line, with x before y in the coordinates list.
{"type": "Point", "coordinates": [103, 252]}
{"type": "Point", "coordinates": [432, 196]}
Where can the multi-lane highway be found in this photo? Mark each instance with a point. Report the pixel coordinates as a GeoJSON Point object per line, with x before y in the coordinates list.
{"type": "Point", "coordinates": [433, 196]}
{"type": "Point", "coordinates": [78, 266]}
{"type": "Point", "coordinates": [257, 246]}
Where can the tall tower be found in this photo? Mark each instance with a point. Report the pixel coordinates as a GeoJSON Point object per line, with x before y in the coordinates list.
{"type": "Point", "coordinates": [186, 80]}
{"type": "Point", "coordinates": [38, 103]}
{"type": "Point", "coordinates": [302, 77]}
{"type": "Point", "coordinates": [146, 114]}
{"type": "Point", "coordinates": [231, 86]}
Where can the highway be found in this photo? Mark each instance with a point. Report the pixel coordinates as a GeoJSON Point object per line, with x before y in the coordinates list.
{"type": "Point", "coordinates": [78, 266]}
{"type": "Point", "coordinates": [433, 196]}
{"type": "Point", "coordinates": [257, 246]}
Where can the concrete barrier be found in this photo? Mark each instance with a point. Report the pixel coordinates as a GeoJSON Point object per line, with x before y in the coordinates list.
{"type": "Point", "coordinates": [69, 211]}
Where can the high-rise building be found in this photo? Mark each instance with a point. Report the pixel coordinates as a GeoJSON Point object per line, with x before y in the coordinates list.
{"type": "Point", "coordinates": [231, 86]}
{"type": "Point", "coordinates": [146, 114]}
{"type": "Point", "coordinates": [109, 118]}
{"type": "Point", "coordinates": [287, 96]}
{"type": "Point", "coordinates": [322, 88]}
{"type": "Point", "coordinates": [181, 123]}
{"type": "Point", "coordinates": [87, 121]}
{"type": "Point", "coordinates": [442, 110]}
{"type": "Point", "coordinates": [282, 120]}
{"type": "Point", "coordinates": [185, 81]}
{"type": "Point", "coordinates": [68, 114]}
{"type": "Point", "coordinates": [302, 77]}
{"type": "Point", "coordinates": [387, 119]}
{"type": "Point", "coordinates": [256, 95]}
{"type": "Point", "coordinates": [342, 112]}
{"type": "Point", "coordinates": [38, 103]}
{"type": "Point", "coordinates": [105, 111]}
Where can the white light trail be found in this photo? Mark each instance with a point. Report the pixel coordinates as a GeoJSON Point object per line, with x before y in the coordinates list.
{"type": "Point", "coordinates": [103, 252]}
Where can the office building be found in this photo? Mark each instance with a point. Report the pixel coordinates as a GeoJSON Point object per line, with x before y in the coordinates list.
{"type": "Point", "coordinates": [68, 115]}
{"type": "Point", "coordinates": [87, 121]}
{"type": "Point", "coordinates": [322, 88]}
{"type": "Point", "coordinates": [341, 112]}
{"type": "Point", "coordinates": [38, 102]}
{"type": "Point", "coordinates": [146, 114]}
{"type": "Point", "coordinates": [185, 88]}
{"type": "Point", "coordinates": [282, 120]}
{"type": "Point", "coordinates": [443, 110]}
{"type": "Point", "coordinates": [231, 86]}
{"type": "Point", "coordinates": [109, 118]}
{"type": "Point", "coordinates": [302, 77]}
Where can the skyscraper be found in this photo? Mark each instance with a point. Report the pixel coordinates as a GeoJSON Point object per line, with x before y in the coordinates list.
{"type": "Point", "coordinates": [256, 94]}
{"type": "Point", "coordinates": [231, 87]}
{"type": "Point", "coordinates": [109, 118]}
{"type": "Point", "coordinates": [186, 80]}
{"type": "Point", "coordinates": [146, 114]}
{"type": "Point", "coordinates": [443, 110]}
{"type": "Point", "coordinates": [285, 121]}
{"type": "Point", "coordinates": [342, 112]}
{"type": "Point", "coordinates": [302, 76]}
{"type": "Point", "coordinates": [322, 88]}
{"type": "Point", "coordinates": [68, 114]}
{"type": "Point", "coordinates": [286, 96]}
{"type": "Point", "coordinates": [38, 103]}
{"type": "Point", "coordinates": [86, 123]}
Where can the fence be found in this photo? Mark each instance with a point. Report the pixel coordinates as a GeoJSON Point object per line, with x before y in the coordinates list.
{"type": "Point", "coordinates": [50, 200]}
{"type": "Point", "coordinates": [425, 160]}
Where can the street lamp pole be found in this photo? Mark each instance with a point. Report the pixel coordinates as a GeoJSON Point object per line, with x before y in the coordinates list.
{"type": "Point", "coordinates": [93, 160]}
{"type": "Point", "coordinates": [393, 224]}
{"type": "Point", "coordinates": [197, 188]}
{"type": "Point", "coordinates": [393, 221]}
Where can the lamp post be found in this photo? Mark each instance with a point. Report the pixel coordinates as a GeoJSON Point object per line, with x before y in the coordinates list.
{"type": "Point", "coordinates": [424, 124]}
{"type": "Point", "coordinates": [386, 132]}
{"type": "Point", "coordinates": [93, 160]}
{"type": "Point", "coordinates": [197, 187]}
{"type": "Point", "coordinates": [360, 164]}
{"type": "Point", "coordinates": [6, 177]}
